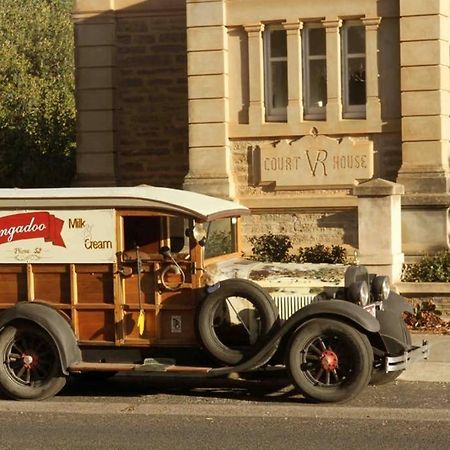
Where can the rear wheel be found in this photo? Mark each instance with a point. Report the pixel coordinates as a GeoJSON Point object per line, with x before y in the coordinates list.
{"type": "Point", "coordinates": [329, 361]}
{"type": "Point", "coordinates": [30, 367]}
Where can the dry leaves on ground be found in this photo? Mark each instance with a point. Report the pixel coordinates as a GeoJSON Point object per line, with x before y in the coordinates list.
{"type": "Point", "coordinates": [427, 318]}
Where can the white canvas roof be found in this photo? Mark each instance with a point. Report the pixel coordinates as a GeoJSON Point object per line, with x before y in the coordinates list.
{"type": "Point", "coordinates": [199, 206]}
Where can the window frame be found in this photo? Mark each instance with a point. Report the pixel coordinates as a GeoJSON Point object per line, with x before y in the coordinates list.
{"type": "Point", "coordinates": [351, 111]}
{"type": "Point", "coordinates": [273, 114]}
{"type": "Point", "coordinates": [312, 112]}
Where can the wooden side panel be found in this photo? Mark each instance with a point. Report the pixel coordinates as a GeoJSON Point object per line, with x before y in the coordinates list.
{"type": "Point", "coordinates": [52, 283]}
{"type": "Point", "coordinates": [95, 283]}
{"type": "Point", "coordinates": [177, 326]}
{"type": "Point", "coordinates": [96, 325]}
{"type": "Point", "coordinates": [147, 287]}
{"type": "Point", "coordinates": [13, 284]}
{"type": "Point", "coordinates": [131, 330]}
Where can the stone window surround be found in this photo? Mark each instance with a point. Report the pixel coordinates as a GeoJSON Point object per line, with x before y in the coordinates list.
{"type": "Point", "coordinates": [296, 123]}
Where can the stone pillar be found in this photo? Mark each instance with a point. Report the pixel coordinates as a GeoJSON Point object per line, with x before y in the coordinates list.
{"type": "Point", "coordinates": [379, 227]}
{"type": "Point", "coordinates": [425, 91]}
{"type": "Point", "coordinates": [334, 86]}
{"type": "Point", "coordinates": [294, 52]}
{"type": "Point", "coordinates": [209, 148]}
{"type": "Point", "coordinates": [256, 75]}
{"type": "Point", "coordinates": [373, 106]}
{"type": "Point", "coordinates": [425, 80]}
{"type": "Point", "coordinates": [95, 66]}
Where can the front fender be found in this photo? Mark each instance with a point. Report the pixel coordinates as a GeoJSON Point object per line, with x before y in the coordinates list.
{"type": "Point", "coordinates": [338, 309]}
{"type": "Point", "coordinates": [394, 334]}
{"type": "Point", "coordinates": [397, 304]}
{"type": "Point", "coordinates": [52, 322]}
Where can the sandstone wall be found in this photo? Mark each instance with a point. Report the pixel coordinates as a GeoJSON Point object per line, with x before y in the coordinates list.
{"type": "Point", "coordinates": [132, 101]}
{"type": "Point", "coordinates": [152, 100]}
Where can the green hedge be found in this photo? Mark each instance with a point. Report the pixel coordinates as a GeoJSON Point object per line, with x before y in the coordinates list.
{"type": "Point", "coordinates": [435, 268]}
{"type": "Point", "coordinates": [276, 248]}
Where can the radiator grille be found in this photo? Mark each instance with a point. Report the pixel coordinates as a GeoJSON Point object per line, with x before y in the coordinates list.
{"type": "Point", "coordinates": [288, 304]}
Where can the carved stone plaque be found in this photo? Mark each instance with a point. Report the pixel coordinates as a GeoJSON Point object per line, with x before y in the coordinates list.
{"type": "Point", "coordinates": [315, 161]}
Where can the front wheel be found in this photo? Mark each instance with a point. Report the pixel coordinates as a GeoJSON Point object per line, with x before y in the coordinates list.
{"type": "Point", "coordinates": [30, 366]}
{"type": "Point", "coordinates": [329, 361]}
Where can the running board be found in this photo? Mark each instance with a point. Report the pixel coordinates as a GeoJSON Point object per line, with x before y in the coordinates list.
{"type": "Point", "coordinates": [149, 365]}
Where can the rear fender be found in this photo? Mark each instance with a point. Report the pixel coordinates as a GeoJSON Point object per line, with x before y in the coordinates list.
{"type": "Point", "coordinates": [52, 322]}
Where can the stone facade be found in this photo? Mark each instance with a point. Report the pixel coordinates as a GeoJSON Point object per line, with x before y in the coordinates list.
{"type": "Point", "coordinates": [187, 92]}
{"type": "Point", "coordinates": [132, 93]}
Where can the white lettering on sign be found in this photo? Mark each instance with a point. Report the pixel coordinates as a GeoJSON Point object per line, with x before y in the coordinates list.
{"type": "Point", "coordinates": [29, 228]}
{"type": "Point", "coordinates": [316, 161]}
{"type": "Point", "coordinates": [58, 236]}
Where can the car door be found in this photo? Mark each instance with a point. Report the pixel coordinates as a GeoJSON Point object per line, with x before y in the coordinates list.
{"type": "Point", "coordinates": [156, 305]}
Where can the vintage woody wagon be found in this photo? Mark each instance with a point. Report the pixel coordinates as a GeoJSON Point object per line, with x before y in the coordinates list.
{"type": "Point", "coordinates": [116, 279]}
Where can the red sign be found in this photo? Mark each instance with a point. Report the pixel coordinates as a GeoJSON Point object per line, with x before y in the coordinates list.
{"type": "Point", "coordinates": [33, 225]}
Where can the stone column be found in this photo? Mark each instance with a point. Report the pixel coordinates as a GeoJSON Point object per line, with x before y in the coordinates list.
{"type": "Point", "coordinates": [95, 66]}
{"type": "Point", "coordinates": [425, 91]}
{"type": "Point", "coordinates": [256, 75]}
{"type": "Point", "coordinates": [334, 89]}
{"type": "Point", "coordinates": [425, 86]}
{"type": "Point", "coordinates": [294, 52]}
{"type": "Point", "coordinates": [379, 227]}
{"type": "Point", "coordinates": [209, 148]}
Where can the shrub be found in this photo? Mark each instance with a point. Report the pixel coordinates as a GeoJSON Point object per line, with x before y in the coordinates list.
{"type": "Point", "coordinates": [435, 268]}
{"type": "Point", "coordinates": [321, 254]}
{"type": "Point", "coordinates": [37, 104]}
{"type": "Point", "coordinates": [271, 248]}
{"type": "Point", "coordinates": [275, 248]}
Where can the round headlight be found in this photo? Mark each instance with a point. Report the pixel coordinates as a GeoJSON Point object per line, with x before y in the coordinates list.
{"type": "Point", "coordinates": [199, 233]}
{"type": "Point", "coordinates": [358, 292]}
{"type": "Point", "coordinates": [381, 288]}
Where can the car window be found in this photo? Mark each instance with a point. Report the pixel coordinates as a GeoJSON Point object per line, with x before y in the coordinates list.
{"type": "Point", "coordinates": [221, 238]}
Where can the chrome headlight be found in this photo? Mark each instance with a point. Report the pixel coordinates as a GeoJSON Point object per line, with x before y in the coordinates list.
{"type": "Point", "coordinates": [199, 233]}
{"type": "Point", "coordinates": [358, 292]}
{"type": "Point", "coordinates": [381, 288]}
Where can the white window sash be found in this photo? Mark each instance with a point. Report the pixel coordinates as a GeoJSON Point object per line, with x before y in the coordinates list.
{"type": "Point", "coordinates": [273, 114]}
{"type": "Point", "coordinates": [310, 112]}
{"type": "Point", "coordinates": [350, 111]}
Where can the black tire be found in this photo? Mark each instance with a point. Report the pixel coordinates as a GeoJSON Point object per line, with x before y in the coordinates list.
{"type": "Point", "coordinates": [30, 367]}
{"type": "Point", "coordinates": [329, 361]}
{"type": "Point", "coordinates": [230, 343]}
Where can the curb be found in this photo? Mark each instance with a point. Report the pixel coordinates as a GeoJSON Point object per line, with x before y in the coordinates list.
{"type": "Point", "coordinates": [436, 368]}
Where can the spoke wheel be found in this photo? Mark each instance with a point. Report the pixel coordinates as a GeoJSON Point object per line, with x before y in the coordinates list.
{"type": "Point", "coordinates": [30, 366]}
{"type": "Point", "coordinates": [329, 361]}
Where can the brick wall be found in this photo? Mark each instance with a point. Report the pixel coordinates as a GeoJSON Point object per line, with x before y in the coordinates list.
{"type": "Point", "coordinates": [131, 90]}
{"type": "Point", "coordinates": [151, 100]}
{"type": "Point", "coordinates": [304, 229]}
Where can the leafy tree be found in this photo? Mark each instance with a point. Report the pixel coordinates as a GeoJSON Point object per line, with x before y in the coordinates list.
{"type": "Point", "coordinates": [37, 106]}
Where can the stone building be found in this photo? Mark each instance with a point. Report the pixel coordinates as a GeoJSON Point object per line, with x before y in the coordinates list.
{"type": "Point", "coordinates": [283, 106]}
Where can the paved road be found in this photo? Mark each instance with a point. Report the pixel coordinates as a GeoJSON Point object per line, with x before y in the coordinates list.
{"type": "Point", "coordinates": [135, 413]}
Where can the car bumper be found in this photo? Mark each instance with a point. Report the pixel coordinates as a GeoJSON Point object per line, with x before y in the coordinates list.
{"type": "Point", "coordinates": [403, 361]}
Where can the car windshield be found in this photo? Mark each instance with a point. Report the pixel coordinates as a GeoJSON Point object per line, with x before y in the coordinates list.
{"type": "Point", "coordinates": [221, 237]}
